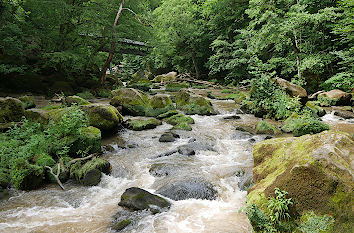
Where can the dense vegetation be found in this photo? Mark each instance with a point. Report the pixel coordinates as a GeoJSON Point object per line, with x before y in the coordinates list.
{"type": "Point", "coordinates": [307, 42]}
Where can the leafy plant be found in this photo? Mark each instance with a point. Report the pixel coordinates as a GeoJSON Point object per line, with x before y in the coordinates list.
{"type": "Point", "coordinates": [313, 223]}
{"type": "Point", "coordinates": [278, 207]}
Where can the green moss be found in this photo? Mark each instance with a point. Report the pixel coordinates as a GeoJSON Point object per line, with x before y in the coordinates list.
{"type": "Point", "coordinates": [290, 123]}
{"type": "Point", "coordinates": [90, 137]}
{"type": "Point", "coordinates": [311, 126]}
{"type": "Point", "coordinates": [315, 109]}
{"type": "Point", "coordinates": [178, 119]}
{"type": "Point", "coordinates": [182, 126]}
{"type": "Point", "coordinates": [86, 95]}
{"type": "Point", "coordinates": [138, 124]}
{"type": "Point", "coordinates": [193, 104]}
{"type": "Point", "coordinates": [26, 176]}
{"type": "Point", "coordinates": [132, 101]}
{"type": "Point", "coordinates": [226, 91]}
{"type": "Point", "coordinates": [160, 101]}
{"type": "Point", "coordinates": [103, 117]}
{"type": "Point", "coordinates": [264, 127]}
{"type": "Point", "coordinates": [51, 107]}
{"type": "Point", "coordinates": [326, 101]}
{"type": "Point", "coordinates": [11, 110]}
{"type": "Point", "coordinates": [27, 101]}
{"type": "Point", "coordinates": [167, 114]}
{"type": "Point", "coordinates": [174, 87]}
{"type": "Point", "coordinates": [70, 100]}
{"type": "Point", "coordinates": [121, 225]}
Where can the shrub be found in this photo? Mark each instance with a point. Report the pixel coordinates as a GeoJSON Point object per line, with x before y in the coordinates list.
{"type": "Point", "coordinates": [307, 123]}
{"type": "Point", "coordinates": [343, 81]}
{"type": "Point", "coordinates": [174, 87]}
{"type": "Point", "coordinates": [86, 95]}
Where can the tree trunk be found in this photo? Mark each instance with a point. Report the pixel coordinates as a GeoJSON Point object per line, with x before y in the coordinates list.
{"type": "Point", "coordinates": [298, 58]}
{"type": "Point", "coordinates": [113, 44]}
{"type": "Point", "coordinates": [195, 65]}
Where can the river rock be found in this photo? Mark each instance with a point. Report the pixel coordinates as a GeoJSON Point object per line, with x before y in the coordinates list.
{"type": "Point", "coordinates": [344, 114]}
{"type": "Point", "coordinates": [141, 124]}
{"type": "Point", "coordinates": [89, 174]}
{"type": "Point", "coordinates": [193, 104]}
{"type": "Point", "coordinates": [233, 117]}
{"type": "Point", "coordinates": [11, 110]}
{"type": "Point", "coordinates": [264, 127]}
{"type": "Point", "coordinates": [334, 97]}
{"type": "Point", "coordinates": [136, 199]}
{"type": "Point", "coordinates": [292, 89]}
{"type": "Point", "coordinates": [27, 101]}
{"type": "Point", "coordinates": [169, 77]}
{"type": "Point", "coordinates": [132, 101]}
{"type": "Point", "coordinates": [159, 104]}
{"type": "Point", "coordinates": [317, 110]}
{"type": "Point", "coordinates": [192, 188]}
{"type": "Point", "coordinates": [168, 137]}
{"type": "Point", "coordinates": [103, 116]}
{"type": "Point", "coordinates": [74, 99]}
{"type": "Point", "coordinates": [316, 170]}
{"type": "Point", "coordinates": [162, 169]}
{"type": "Point", "coordinates": [167, 114]}
{"type": "Point", "coordinates": [180, 122]}
{"type": "Point", "coordinates": [186, 150]}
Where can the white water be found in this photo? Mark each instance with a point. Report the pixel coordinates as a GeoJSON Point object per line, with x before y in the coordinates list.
{"type": "Point", "coordinates": [90, 209]}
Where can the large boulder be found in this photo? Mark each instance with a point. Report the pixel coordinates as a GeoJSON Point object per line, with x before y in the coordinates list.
{"type": "Point", "coordinates": [169, 77]}
{"type": "Point", "coordinates": [27, 101]}
{"type": "Point", "coordinates": [11, 110]}
{"type": "Point", "coordinates": [334, 97]}
{"type": "Point", "coordinates": [139, 199]}
{"type": "Point", "coordinates": [192, 188]}
{"type": "Point", "coordinates": [103, 116]}
{"type": "Point", "coordinates": [291, 88]}
{"type": "Point", "coordinates": [74, 99]}
{"type": "Point", "coordinates": [133, 102]}
{"type": "Point", "coordinates": [89, 173]}
{"type": "Point", "coordinates": [317, 171]}
{"type": "Point", "coordinates": [193, 104]}
{"type": "Point", "coordinates": [160, 104]}
{"type": "Point", "coordinates": [180, 122]}
{"type": "Point", "coordinates": [344, 114]}
{"type": "Point", "coordinates": [264, 127]}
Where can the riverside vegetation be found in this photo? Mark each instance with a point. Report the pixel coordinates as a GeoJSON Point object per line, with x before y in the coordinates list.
{"type": "Point", "coordinates": [289, 63]}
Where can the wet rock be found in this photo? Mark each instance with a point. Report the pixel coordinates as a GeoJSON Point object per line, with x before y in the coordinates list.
{"type": "Point", "coordinates": [102, 116]}
{"type": "Point", "coordinates": [169, 77]}
{"type": "Point", "coordinates": [121, 225]}
{"type": "Point", "coordinates": [192, 188]}
{"type": "Point", "coordinates": [252, 140]}
{"type": "Point", "coordinates": [246, 180]}
{"type": "Point", "coordinates": [192, 140]}
{"type": "Point", "coordinates": [108, 148]}
{"type": "Point", "coordinates": [141, 124]}
{"type": "Point", "coordinates": [317, 110]}
{"type": "Point", "coordinates": [167, 114]}
{"type": "Point", "coordinates": [168, 153]}
{"type": "Point", "coordinates": [233, 117]}
{"type": "Point", "coordinates": [70, 100]}
{"type": "Point", "coordinates": [136, 199]}
{"type": "Point", "coordinates": [132, 101]}
{"type": "Point", "coordinates": [90, 173]}
{"type": "Point", "coordinates": [292, 89]}
{"type": "Point", "coordinates": [242, 133]}
{"type": "Point", "coordinates": [11, 110]}
{"type": "Point", "coordinates": [180, 122]}
{"type": "Point", "coordinates": [193, 104]}
{"type": "Point", "coordinates": [27, 101]}
{"type": "Point", "coordinates": [316, 171]}
{"type": "Point", "coordinates": [162, 169]}
{"type": "Point", "coordinates": [160, 104]}
{"type": "Point", "coordinates": [344, 114]}
{"type": "Point", "coordinates": [168, 137]}
{"type": "Point", "coordinates": [186, 150]}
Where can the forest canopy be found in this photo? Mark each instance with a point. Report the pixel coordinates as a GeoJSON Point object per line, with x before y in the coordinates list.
{"type": "Point", "coordinates": [308, 42]}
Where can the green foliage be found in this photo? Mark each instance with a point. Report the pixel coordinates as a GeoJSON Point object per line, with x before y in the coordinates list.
{"type": "Point", "coordinates": [278, 207]}
{"type": "Point", "coordinates": [226, 91]}
{"type": "Point", "coordinates": [264, 127]}
{"type": "Point", "coordinates": [343, 81]}
{"type": "Point", "coordinates": [26, 149]}
{"type": "Point", "coordinates": [312, 223]}
{"type": "Point", "coordinates": [268, 99]}
{"type": "Point", "coordinates": [86, 95]}
{"type": "Point", "coordinates": [307, 123]}
{"type": "Point", "coordinates": [174, 87]}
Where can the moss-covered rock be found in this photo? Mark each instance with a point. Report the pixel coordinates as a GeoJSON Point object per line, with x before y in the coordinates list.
{"type": "Point", "coordinates": [193, 104]}
{"type": "Point", "coordinates": [138, 199]}
{"type": "Point", "coordinates": [11, 110]}
{"type": "Point", "coordinates": [90, 173]}
{"type": "Point", "coordinates": [264, 127]}
{"type": "Point", "coordinates": [292, 89]}
{"type": "Point", "coordinates": [315, 170]}
{"type": "Point", "coordinates": [169, 77]}
{"type": "Point", "coordinates": [174, 87]}
{"type": "Point", "coordinates": [309, 126]}
{"type": "Point", "coordinates": [132, 101]}
{"type": "Point", "coordinates": [334, 97]}
{"type": "Point", "coordinates": [27, 101]}
{"type": "Point", "coordinates": [26, 176]}
{"type": "Point", "coordinates": [102, 116]}
{"type": "Point", "coordinates": [90, 138]}
{"type": "Point", "coordinates": [315, 109]}
{"type": "Point", "coordinates": [182, 126]}
{"type": "Point", "coordinates": [121, 225]}
{"type": "Point", "coordinates": [167, 114]}
{"type": "Point", "coordinates": [141, 124]}
{"type": "Point", "coordinates": [180, 122]}
{"type": "Point", "coordinates": [290, 123]}
{"type": "Point", "coordinates": [74, 99]}
{"type": "Point", "coordinates": [159, 104]}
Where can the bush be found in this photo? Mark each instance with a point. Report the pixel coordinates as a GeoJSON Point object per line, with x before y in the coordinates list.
{"type": "Point", "coordinates": [343, 81]}
{"type": "Point", "coordinates": [86, 95]}
{"type": "Point", "coordinates": [268, 99]}
{"type": "Point", "coordinates": [174, 87]}
{"type": "Point", "coordinates": [308, 123]}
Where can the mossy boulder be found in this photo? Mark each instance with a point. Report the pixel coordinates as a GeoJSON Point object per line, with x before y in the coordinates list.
{"type": "Point", "coordinates": [169, 77]}
{"type": "Point", "coordinates": [334, 97]}
{"type": "Point", "coordinates": [26, 176]}
{"type": "Point", "coordinates": [133, 102]}
{"type": "Point", "coordinates": [290, 123]}
{"type": "Point", "coordinates": [90, 138]}
{"type": "Point", "coordinates": [27, 101]}
{"type": "Point", "coordinates": [264, 127]}
{"type": "Point", "coordinates": [315, 109]}
{"type": "Point", "coordinates": [180, 121]}
{"type": "Point", "coordinates": [316, 171]}
{"type": "Point", "coordinates": [103, 116]}
{"type": "Point", "coordinates": [74, 99]}
{"type": "Point", "coordinates": [167, 114]}
{"type": "Point", "coordinates": [303, 124]}
{"type": "Point", "coordinates": [291, 88]}
{"type": "Point", "coordinates": [90, 173]}
{"type": "Point", "coordinates": [193, 104]}
{"type": "Point", "coordinates": [139, 199]}
{"type": "Point", "coordinates": [142, 124]}
{"type": "Point", "coordinates": [11, 110]}
{"type": "Point", "coordinates": [118, 226]}
{"type": "Point", "coordinates": [159, 104]}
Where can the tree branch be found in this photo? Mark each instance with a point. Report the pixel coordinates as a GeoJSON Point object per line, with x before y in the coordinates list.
{"type": "Point", "coordinates": [83, 159]}
{"type": "Point", "coordinates": [136, 16]}
{"type": "Point", "coordinates": [56, 176]}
